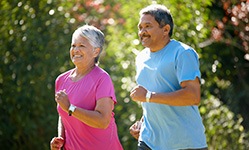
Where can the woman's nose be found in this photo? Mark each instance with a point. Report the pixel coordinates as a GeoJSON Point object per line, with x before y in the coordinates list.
{"type": "Point", "coordinates": [76, 48]}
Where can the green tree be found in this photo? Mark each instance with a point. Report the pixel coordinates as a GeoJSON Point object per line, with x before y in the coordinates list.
{"type": "Point", "coordinates": [225, 70]}
{"type": "Point", "coordinates": [34, 42]}
{"type": "Point", "coordinates": [223, 127]}
{"type": "Point", "coordinates": [226, 55]}
{"type": "Point", "coordinates": [34, 49]}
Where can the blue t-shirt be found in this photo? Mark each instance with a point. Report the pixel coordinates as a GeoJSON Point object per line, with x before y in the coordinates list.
{"type": "Point", "coordinates": [169, 127]}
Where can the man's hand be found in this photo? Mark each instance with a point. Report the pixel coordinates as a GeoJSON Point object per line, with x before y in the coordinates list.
{"type": "Point", "coordinates": [135, 129]}
{"type": "Point", "coordinates": [138, 94]}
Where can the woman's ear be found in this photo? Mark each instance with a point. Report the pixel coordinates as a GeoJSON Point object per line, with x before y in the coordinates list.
{"type": "Point", "coordinates": [96, 51]}
{"type": "Point", "coordinates": [166, 29]}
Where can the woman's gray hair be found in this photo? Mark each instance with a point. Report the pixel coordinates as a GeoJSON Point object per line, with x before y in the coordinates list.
{"type": "Point", "coordinates": [161, 14]}
{"type": "Point", "coordinates": [95, 37]}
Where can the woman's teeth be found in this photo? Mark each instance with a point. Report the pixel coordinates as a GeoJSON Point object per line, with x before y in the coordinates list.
{"type": "Point", "coordinates": [77, 56]}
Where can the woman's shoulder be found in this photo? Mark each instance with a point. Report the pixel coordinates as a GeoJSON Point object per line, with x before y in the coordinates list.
{"type": "Point", "coordinates": [100, 70]}
{"type": "Point", "coordinates": [100, 73]}
{"type": "Point", "coordinates": [64, 74]}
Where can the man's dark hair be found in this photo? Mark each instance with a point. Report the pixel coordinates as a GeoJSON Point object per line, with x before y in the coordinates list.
{"type": "Point", "coordinates": [161, 14]}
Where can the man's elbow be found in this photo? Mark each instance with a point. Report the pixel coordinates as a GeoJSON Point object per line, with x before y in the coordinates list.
{"type": "Point", "coordinates": [197, 100]}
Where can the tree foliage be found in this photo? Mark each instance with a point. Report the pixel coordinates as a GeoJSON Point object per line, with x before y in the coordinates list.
{"type": "Point", "coordinates": [226, 56]}
{"type": "Point", "coordinates": [34, 43]}
{"type": "Point", "coordinates": [34, 49]}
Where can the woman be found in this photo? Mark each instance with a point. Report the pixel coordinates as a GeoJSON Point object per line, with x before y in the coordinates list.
{"type": "Point", "coordinates": [85, 98]}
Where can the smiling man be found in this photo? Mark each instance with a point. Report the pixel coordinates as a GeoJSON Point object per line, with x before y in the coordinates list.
{"type": "Point", "coordinates": [168, 79]}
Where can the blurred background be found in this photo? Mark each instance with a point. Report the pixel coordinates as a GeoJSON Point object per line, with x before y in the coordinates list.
{"type": "Point", "coordinates": [35, 38]}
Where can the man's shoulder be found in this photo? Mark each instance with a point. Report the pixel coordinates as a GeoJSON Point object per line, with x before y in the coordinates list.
{"type": "Point", "coordinates": [179, 45]}
{"type": "Point", "coordinates": [143, 52]}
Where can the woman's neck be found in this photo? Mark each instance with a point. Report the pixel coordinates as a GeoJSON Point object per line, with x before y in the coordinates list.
{"type": "Point", "coordinates": [79, 73]}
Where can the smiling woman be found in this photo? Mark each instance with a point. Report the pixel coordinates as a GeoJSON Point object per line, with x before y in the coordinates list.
{"type": "Point", "coordinates": [82, 54]}
{"type": "Point", "coordinates": [85, 98]}
{"type": "Point", "coordinates": [86, 40]}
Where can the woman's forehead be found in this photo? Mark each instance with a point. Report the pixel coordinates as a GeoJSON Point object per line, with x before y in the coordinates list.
{"type": "Point", "coordinates": [79, 39]}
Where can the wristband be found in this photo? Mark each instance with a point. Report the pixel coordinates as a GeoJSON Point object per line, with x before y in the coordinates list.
{"type": "Point", "coordinates": [71, 109]}
{"type": "Point", "coordinates": [148, 96]}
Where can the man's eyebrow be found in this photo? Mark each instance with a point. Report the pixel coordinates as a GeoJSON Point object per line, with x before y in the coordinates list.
{"type": "Point", "coordinates": [146, 23]}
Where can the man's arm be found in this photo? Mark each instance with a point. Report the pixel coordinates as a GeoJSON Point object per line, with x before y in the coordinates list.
{"type": "Point", "coordinates": [135, 128]}
{"type": "Point", "coordinates": [189, 94]}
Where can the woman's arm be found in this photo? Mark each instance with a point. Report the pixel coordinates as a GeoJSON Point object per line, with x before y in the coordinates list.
{"type": "Point", "coordinates": [100, 117]}
{"type": "Point", "coordinates": [61, 130]}
{"type": "Point", "coordinates": [57, 142]}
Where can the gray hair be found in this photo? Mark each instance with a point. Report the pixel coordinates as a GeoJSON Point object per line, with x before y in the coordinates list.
{"type": "Point", "coordinates": [95, 37]}
{"type": "Point", "coordinates": [161, 14]}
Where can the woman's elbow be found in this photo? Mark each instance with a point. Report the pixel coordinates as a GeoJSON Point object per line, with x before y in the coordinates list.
{"type": "Point", "coordinates": [104, 124]}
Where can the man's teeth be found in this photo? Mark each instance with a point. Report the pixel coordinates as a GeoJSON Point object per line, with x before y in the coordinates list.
{"type": "Point", "coordinates": [144, 38]}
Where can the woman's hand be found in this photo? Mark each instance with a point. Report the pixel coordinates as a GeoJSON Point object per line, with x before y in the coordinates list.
{"type": "Point", "coordinates": [56, 143]}
{"type": "Point", "coordinates": [62, 99]}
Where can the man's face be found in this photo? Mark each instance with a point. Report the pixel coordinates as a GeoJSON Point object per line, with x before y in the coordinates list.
{"type": "Point", "coordinates": [151, 35]}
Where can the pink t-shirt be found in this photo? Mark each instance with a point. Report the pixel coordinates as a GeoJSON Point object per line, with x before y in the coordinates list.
{"type": "Point", "coordinates": [84, 94]}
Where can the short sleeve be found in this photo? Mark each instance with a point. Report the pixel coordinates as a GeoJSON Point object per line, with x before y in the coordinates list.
{"type": "Point", "coordinates": [188, 66]}
{"type": "Point", "coordinates": [105, 88]}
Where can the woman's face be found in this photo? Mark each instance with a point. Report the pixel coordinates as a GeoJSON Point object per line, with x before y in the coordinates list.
{"type": "Point", "coordinates": [82, 53]}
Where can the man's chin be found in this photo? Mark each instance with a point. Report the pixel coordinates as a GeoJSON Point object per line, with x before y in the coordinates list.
{"type": "Point", "coordinates": [145, 45]}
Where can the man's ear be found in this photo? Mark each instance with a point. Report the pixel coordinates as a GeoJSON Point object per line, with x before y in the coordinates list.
{"type": "Point", "coordinates": [166, 29]}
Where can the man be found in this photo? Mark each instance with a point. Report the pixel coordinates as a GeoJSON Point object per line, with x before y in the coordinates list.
{"type": "Point", "coordinates": [168, 79]}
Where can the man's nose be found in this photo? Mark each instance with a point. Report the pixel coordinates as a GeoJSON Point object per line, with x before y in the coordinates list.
{"type": "Point", "coordinates": [141, 32]}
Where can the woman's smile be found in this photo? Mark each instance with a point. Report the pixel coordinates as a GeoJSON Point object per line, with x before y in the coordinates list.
{"type": "Point", "coordinates": [77, 56]}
